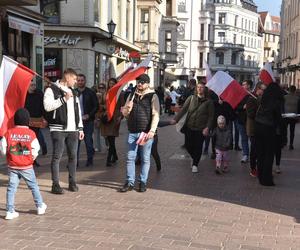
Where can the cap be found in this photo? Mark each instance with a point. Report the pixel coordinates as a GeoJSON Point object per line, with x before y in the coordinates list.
{"type": "Point", "coordinates": [143, 78]}
{"type": "Point", "coordinates": [22, 117]}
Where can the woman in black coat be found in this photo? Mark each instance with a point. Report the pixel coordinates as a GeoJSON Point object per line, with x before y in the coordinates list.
{"type": "Point", "coordinates": [267, 119]}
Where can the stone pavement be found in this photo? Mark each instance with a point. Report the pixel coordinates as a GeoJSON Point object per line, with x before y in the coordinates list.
{"type": "Point", "coordinates": [180, 210]}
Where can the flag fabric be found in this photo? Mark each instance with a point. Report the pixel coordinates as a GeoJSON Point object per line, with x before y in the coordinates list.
{"type": "Point", "coordinates": [266, 75]}
{"type": "Point", "coordinates": [227, 88]}
{"type": "Point", "coordinates": [207, 70]}
{"type": "Point", "coordinates": [15, 79]}
{"type": "Point", "coordinates": [114, 93]}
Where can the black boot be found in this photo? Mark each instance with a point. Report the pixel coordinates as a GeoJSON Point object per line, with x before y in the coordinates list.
{"type": "Point", "coordinates": [56, 189]}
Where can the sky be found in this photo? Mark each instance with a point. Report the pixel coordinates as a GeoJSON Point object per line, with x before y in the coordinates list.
{"type": "Point", "coordinates": [272, 6]}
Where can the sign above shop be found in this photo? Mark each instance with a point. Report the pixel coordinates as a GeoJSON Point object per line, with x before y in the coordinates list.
{"type": "Point", "coordinates": [63, 40]}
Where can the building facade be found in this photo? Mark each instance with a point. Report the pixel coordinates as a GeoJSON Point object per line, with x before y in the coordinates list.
{"type": "Point", "coordinates": [237, 45]}
{"type": "Point", "coordinates": [77, 36]}
{"type": "Point", "coordinates": [290, 42]}
{"type": "Point", "coordinates": [222, 32]}
{"type": "Point", "coordinates": [270, 28]}
{"type": "Point", "coordinates": [22, 34]}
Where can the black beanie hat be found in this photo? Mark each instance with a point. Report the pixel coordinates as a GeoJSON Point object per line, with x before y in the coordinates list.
{"type": "Point", "coordinates": [22, 117]}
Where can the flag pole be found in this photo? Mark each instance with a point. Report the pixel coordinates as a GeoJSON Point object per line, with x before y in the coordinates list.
{"type": "Point", "coordinates": [251, 94]}
{"type": "Point", "coordinates": [49, 82]}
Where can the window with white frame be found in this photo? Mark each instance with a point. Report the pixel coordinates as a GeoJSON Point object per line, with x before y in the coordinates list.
{"type": "Point", "coordinates": [144, 25]}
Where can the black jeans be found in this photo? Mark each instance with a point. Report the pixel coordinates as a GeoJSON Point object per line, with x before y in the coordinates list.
{"type": "Point", "coordinates": [154, 152]}
{"type": "Point", "coordinates": [88, 129]}
{"type": "Point", "coordinates": [59, 140]}
{"type": "Point", "coordinates": [194, 142]}
{"type": "Point", "coordinates": [292, 123]}
{"type": "Point", "coordinates": [278, 147]}
{"type": "Point", "coordinates": [112, 152]}
{"type": "Point", "coordinates": [265, 146]}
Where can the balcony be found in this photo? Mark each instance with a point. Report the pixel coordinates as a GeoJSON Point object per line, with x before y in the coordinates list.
{"type": "Point", "coordinates": [18, 2]}
{"type": "Point", "coordinates": [227, 46]}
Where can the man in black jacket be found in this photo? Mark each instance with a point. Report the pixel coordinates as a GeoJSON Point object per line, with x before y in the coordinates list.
{"type": "Point", "coordinates": [89, 106]}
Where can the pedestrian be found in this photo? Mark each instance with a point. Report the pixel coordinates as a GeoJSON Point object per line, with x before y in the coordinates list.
{"type": "Point", "coordinates": [89, 106]}
{"type": "Point", "coordinates": [142, 113]}
{"type": "Point", "coordinates": [252, 105]}
{"type": "Point", "coordinates": [65, 123]}
{"type": "Point", "coordinates": [100, 92]}
{"type": "Point", "coordinates": [21, 147]}
{"type": "Point", "coordinates": [291, 105]}
{"type": "Point", "coordinates": [110, 129]}
{"type": "Point", "coordinates": [174, 96]}
{"type": "Point", "coordinates": [35, 107]}
{"type": "Point", "coordinates": [223, 140]}
{"type": "Point", "coordinates": [241, 121]}
{"type": "Point", "coordinates": [267, 119]}
{"type": "Point", "coordinates": [199, 110]}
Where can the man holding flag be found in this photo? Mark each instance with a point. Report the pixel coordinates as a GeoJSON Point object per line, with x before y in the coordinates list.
{"type": "Point", "coordinates": [142, 112]}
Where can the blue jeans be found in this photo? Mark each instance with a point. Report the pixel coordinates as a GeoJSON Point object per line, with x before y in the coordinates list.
{"type": "Point", "coordinates": [243, 133]}
{"type": "Point", "coordinates": [13, 183]}
{"type": "Point", "coordinates": [88, 129]}
{"type": "Point", "coordinates": [145, 152]}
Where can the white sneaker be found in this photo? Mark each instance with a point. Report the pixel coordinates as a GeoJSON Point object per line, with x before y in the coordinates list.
{"type": "Point", "coordinates": [11, 215]}
{"type": "Point", "coordinates": [194, 169]}
{"type": "Point", "coordinates": [41, 210]}
{"type": "Point", "coordinates": [244, 159]}
{"type": "Point", "coordinates": [278, 170]}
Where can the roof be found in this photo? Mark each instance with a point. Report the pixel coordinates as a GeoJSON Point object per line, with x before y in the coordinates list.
{"type": "Point", "coordinates": [275, 19]}
{"type": "Point", "coordinates": [263, 16]}
{"type": "Point", "coordinates": [251, 2]}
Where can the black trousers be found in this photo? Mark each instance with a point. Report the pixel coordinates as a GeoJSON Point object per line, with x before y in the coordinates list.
{"type": "Point", "coordinates": [292, 123]}
{"type": "Point", "coordinates": [253, 154]}
{"type": "Point", "coordinates": [154, 152]}
{"type": "Point", "coordinates": [265, 139]}
{"type": "Point", "coordinates": [112, 152]}
{"type": "Point", "coordinates": [194, 143]}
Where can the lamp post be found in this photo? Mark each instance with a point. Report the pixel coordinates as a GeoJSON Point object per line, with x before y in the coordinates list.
{"type": "Point", "coordinates": [111, 26]}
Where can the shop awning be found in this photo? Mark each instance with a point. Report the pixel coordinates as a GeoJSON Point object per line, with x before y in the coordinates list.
{"type": "Point", "coordinates": [24, 25]}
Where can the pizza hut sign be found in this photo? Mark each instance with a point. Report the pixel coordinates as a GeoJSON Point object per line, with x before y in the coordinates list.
{"type": "Point", "coordinates": [63, 40]}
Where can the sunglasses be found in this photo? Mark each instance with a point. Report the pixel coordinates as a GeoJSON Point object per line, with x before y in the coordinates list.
{"type": "Point", "coordinates": [142, 82]}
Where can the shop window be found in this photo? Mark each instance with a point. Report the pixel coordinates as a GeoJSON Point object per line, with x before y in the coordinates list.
{"type": "Point", "coordinates": [53, 63]}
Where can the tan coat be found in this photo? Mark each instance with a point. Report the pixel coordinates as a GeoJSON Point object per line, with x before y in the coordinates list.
{"type": "Point", "coordinates": [112, 128]}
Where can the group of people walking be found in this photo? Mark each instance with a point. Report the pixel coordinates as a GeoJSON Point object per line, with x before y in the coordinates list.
{"type": "Point", "coordinates": [79, 114]}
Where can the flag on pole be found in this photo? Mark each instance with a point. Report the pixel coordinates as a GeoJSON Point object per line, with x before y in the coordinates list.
{"type": "Point", "coordinates": [114, 93]}
{"type": "Point", "coordinates": [15, 79]}
{"type": "Point", "coordinates": [207, 70]}
{"type": "Point", "coordinates": [227, 88]}
{"type": "Point", "coordinates": [266, 75]}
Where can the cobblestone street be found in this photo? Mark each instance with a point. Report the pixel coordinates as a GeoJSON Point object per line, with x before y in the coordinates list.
{"type": "Point", "coordinates": [180, 210]}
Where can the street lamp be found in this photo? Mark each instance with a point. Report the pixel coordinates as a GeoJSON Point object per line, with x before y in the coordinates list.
{"type": "Point", "coordinates": [111, 26]}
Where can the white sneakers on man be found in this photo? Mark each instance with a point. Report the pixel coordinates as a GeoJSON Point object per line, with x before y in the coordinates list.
{"type": "Point", "coordinates": [244, 159]}
{"type": "Point", "coordinates": [41, 210]}
{"type": "Point", "coordinates": [11, 215]}
{"type": "Point", "coordinates": [194, 169]}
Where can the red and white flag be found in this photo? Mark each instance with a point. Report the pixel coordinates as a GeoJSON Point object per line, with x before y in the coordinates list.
{"type": "Point", "coordinates": [114, 93]}
{"type": "Point", "coordinates": [207, 70]}
{"type": "Point", "coordinates": [266, 75]}
{"type": "Point", "coordinates": [227, 88]}
{"type": "Point", "coordinates": [15, 79]}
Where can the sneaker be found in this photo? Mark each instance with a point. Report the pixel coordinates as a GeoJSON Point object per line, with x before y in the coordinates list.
{"type": "Point", "coordinates": [194, 169]}
{"type": "Point", "coordinates": [126, 187]}
{"type": "Point", "coordinates": [142, 187]}
{"type": "Point", "coordinates": [11, 215]}
{"type": "Point", "coordinates": [41, 210]}
{"type": "Point", "coordinates": [56, 189]}
{"type": "Point", "coordinates": [253, 173]}
{"type": "Point", "coordinates": [218, 170]}
{"type": "Point", "coordinates": [244, 159]}
{"type": "Point", "coordinates": [278, 170]}
{"type": "Point", "coordinates": [73, 187]}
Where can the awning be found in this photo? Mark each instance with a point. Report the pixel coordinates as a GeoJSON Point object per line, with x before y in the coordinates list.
{"type": "Point", "coordinates": [26, 26]}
